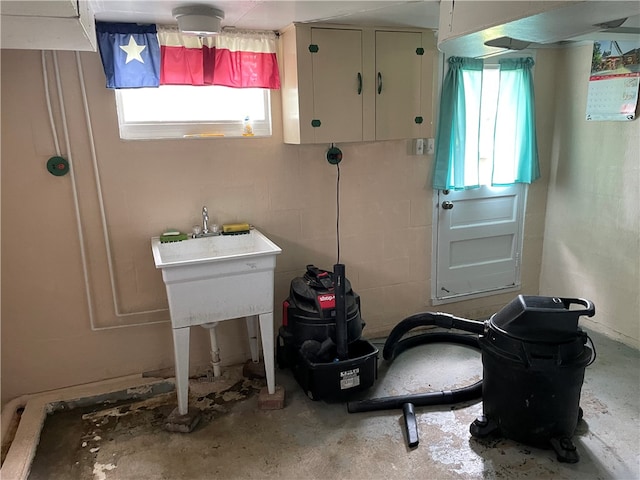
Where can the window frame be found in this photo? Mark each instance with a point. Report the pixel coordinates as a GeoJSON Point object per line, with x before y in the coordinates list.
{"type": "Point", "coordinates": [164, 130]}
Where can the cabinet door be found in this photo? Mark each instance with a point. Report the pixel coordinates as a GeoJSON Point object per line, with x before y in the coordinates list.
{"type": "Point", "coordinates": [398, 85]}
{"type": "Point", "coordinates": [337, 85]}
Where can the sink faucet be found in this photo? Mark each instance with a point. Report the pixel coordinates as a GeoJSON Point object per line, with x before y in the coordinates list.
{"type": "Point", "coordinates": [205, 230]}
{"type": "Point", "coordinates": [205, 220]}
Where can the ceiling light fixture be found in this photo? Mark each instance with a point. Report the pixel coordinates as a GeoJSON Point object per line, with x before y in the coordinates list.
{"type": "Point", "coordinates": [200, 20]}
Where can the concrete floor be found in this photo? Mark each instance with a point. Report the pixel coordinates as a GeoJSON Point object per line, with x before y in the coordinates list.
{"type": "Point", "coordinates": [319, 440]}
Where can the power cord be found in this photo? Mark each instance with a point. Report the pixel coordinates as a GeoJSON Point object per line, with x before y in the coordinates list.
{"type": "Point", "coordinates": [338, 210]}
{"type": "Point", "coordinates": [334, 157]}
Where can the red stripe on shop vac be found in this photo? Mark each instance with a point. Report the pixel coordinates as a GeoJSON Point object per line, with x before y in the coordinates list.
{"type": "Point", "coordinates": [285, 313]}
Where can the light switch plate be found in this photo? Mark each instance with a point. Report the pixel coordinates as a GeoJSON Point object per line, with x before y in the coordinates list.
{"type": "Point", "coordinates": [431, 146]}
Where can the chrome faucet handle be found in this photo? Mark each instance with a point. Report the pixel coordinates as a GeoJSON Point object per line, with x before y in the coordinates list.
{"type": "Point", "coordinates": [205, 220]}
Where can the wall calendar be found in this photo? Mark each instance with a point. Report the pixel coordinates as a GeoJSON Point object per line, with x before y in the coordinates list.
{"type": "Point", "coordinates": [614, 80]}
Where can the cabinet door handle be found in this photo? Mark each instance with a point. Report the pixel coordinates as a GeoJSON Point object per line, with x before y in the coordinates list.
{"type": "Point", "coordinates": [359, 83]}
{"type": "Point", "coordinates": [379, 83]}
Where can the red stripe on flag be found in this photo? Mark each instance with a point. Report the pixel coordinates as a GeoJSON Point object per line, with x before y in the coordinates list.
{"type": "Point", "coordinates": [182, 66]}
{"type": "Point", "coordinates": [246, 69]}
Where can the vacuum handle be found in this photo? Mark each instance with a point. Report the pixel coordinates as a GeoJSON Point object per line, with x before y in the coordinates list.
{"type": "Point", "coordinates": [341, 312]}
{"type": "Point", "coordinates": [589, 311]}
{"type": "Point", "coordinates": [313, 270]}
{"type": "Point", "coordinates": [321, 276]}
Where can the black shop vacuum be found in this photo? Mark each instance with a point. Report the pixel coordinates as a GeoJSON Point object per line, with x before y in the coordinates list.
{"type": "Point", "coordinates": [534, 357]}
{"type": "Point", "coordinates": [321, 336]}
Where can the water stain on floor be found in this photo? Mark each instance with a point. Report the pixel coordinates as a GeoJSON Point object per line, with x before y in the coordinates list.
{"type": "Point", "coordinates": [72, 437]}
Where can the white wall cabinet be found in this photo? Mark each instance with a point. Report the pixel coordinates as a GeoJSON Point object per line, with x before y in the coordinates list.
{"type": "Point", "coordinates": [354, 84]}
{"type": "Point", "coordinates": [48, 25]}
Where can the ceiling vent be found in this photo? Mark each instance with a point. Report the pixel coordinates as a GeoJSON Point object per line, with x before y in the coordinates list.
{"type": "Point", "coordinates": [508, 43]}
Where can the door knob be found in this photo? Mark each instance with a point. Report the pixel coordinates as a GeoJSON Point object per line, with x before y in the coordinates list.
{"type": "Point", "coordinates": [447, 205]}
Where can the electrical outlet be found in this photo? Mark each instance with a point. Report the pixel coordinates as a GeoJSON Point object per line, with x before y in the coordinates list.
{"type": "Point", "coordinates": [431, 146]}
{"type": "Point", "coordinates": [419, 146]}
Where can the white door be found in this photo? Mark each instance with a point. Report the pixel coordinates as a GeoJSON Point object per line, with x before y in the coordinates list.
{"type": "Point", "coordinates": [478, 241]}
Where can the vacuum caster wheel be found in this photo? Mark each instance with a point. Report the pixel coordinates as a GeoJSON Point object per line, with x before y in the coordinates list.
{"type": "Point", "coordinates": [565, 450]}
{"type": "Point", "coordinates": [482, 427]}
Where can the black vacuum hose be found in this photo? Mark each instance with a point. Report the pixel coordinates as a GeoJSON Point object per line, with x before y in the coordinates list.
{"type": "Point", "coordinates": [395, 345]}
{"type": "Point", "coordinates": [424, 319]}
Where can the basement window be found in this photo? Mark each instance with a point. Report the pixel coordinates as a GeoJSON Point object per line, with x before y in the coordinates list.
{"type": "Point", "coordinates": [184, 111]}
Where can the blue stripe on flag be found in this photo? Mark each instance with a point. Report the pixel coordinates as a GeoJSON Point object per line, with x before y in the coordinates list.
{"type": "Point", "coordinates": [130, 54]}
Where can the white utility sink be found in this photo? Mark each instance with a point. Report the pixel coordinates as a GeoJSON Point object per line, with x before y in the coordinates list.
{"type": "Point", "coordinates": [211, 279]}
{"type": "Point", "coordinates": [211, 249]}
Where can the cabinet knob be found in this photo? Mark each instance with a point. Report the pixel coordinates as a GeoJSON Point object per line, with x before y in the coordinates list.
{"type": "Point", "coordinates": [379, 83]}
{"type": "Point", "coordinates": [359, 83]}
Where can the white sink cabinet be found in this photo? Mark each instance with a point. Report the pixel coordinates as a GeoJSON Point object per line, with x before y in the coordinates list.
{"type": "Point", "coordinates": [212, 279]}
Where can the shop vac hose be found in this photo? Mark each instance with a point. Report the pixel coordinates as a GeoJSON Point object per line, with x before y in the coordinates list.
{"type": "Point", "coordinates": [425, 319]}
{"type": "Point", "coordinates": [396, 345]}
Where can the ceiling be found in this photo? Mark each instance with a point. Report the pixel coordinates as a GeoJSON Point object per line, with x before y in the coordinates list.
{"type": "Point", "coordinates": [55, 20]}
{"type": "Point", "coordinates": [277, 14]}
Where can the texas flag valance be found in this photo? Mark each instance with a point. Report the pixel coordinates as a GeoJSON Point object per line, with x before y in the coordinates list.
{"type": "Point", "coordinates": [137, 56]}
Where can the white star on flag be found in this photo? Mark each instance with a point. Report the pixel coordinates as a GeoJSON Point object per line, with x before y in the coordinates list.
{"type": "Point", "coordinates": [133, 50]}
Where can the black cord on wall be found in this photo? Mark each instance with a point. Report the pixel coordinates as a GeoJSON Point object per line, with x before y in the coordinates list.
{"type": "Point", "coordinates": [338, 210]}
{"type": "Point", "coordinates": [334, 157]}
